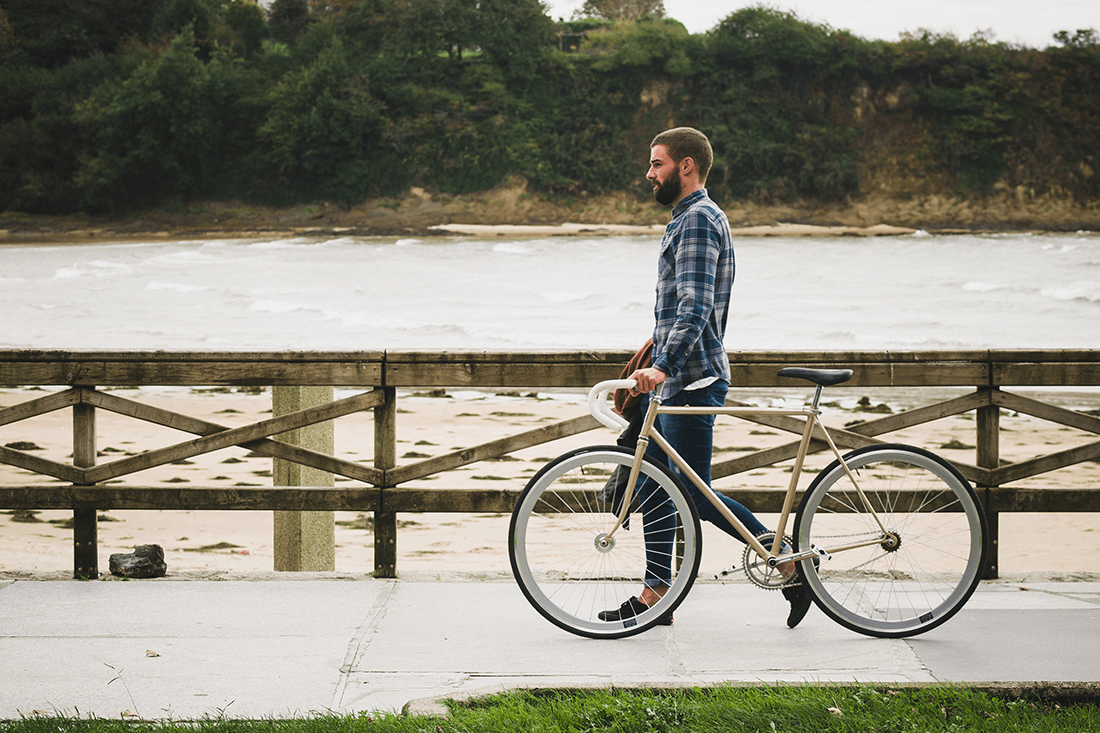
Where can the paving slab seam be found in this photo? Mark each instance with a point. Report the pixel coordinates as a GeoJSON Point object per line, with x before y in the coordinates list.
{"type": "Point", "coordinates": [674, 658]}
{"type": "Point", "coordinates": [1086, 597]}
{"type": "Point", "coordinates": [361, 640]}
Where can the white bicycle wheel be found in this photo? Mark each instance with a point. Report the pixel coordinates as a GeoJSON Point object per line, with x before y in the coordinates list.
{"type": "Point", "coordinates": [921, 570]}
{"type": "Point", "coordinates": [567, 569]}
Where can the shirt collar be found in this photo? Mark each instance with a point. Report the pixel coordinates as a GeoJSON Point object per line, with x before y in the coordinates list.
{"type": "Point", "coordinates": [687, 201]}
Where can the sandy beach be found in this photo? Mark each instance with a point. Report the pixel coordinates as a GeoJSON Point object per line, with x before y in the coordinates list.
{"type": "Point", "coordinates": [887, 207]}
{"type": "Point", "coordinates": [199, 544]}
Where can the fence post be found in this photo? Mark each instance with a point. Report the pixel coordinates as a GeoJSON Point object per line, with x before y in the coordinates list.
{"type": "Point", "coordinates": [85, 530]}
{"type": "Point", "coordinates": [988, 425]}
{"type": "Point", "coordinates": [385, 458]}
{"type": "Point", "coordinates": [303, 540]}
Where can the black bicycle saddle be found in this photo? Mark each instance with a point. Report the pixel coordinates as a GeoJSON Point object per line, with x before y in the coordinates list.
{"type": "Point", "coordinates": [820, 377]}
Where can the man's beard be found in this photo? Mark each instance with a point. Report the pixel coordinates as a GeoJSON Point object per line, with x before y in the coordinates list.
{"type": "Point", "coordinates": [670, 190]}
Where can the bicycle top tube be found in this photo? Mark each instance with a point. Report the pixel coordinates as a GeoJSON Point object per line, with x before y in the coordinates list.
{"type": "Point", "coordinates": [598, 406]}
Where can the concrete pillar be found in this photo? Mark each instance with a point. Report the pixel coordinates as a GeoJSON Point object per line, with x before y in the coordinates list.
{"type": "Point", "coordinates": [303, 540]}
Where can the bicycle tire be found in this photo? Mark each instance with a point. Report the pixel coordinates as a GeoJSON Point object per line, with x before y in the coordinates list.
{"type": "Point", "coordinates": [558, 563]}
{"type": "Point", "coordinates": [922, 573]}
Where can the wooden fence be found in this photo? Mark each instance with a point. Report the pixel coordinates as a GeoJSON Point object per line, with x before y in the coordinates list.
{"type": "Point", "coordinates": [988, 377]}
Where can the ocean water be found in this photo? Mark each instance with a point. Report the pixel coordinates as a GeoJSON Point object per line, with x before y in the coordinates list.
{"type": "Point", "coordinates": [465, 293]}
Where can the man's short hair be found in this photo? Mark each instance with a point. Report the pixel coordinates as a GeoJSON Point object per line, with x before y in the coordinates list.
{"type": "Point", "coordinates": [687, 142]}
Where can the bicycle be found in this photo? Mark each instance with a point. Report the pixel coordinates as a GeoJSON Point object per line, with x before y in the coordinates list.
{"type": "Point", "coordinates": [890, 539]}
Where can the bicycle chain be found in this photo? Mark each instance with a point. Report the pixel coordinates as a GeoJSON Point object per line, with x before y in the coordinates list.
{"type": "Point", "coordinates": [750, 568]}
{"type": "Point", "coordinates": [767, 583]}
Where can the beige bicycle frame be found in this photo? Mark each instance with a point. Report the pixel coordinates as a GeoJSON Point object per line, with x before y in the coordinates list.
{"type": "Point", "coordinates": [649, 432]}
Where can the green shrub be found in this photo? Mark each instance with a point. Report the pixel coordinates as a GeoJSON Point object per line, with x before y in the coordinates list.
{"type": "Point", "coordinates": [159, 134]}
{"type": "Point", "coordinates": [323, 134]}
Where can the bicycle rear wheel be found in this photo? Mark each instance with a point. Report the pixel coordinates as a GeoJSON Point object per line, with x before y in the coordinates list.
{"type": "Point", "coordinates": [560, 557]}
{"type": "Point", "coordinates": [919, 567]}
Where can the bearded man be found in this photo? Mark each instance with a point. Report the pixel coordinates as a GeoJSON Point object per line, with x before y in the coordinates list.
{"type": "Point", "coordinates": [694, 279]}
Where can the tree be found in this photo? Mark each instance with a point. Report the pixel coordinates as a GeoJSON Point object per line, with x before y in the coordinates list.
{"type": "Point", "coordinates": [430, 27]}
{"type": "Point", "coordinates": [324, 131]}
{"type": "Point", "coordinates": [1083, 38]}
{"type": "Point", "coordinates": [53, 32]}
{"type": "Point", "coordinates": [621, 9]}
{"type": "Point", "coordinates": [8, 50]}
{"type": "Point", "coordinates": [175, 15]}
{"type": "Point", "coordinates": [772, 104]}
{"type": "Point", "coordinates": [288, 19]}
{"type": "Point", "coordinates": [245, 21]}
{"type": "Point", "coordinates": [159, 133]}
{"type": "Point", "coordinates": [771, 44]}
{"type": "Point", "coordinates": [515, 36]}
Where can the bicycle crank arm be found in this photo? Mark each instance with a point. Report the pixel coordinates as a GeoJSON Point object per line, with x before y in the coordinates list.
{"type": "Point", "coordinates": [817, 552]}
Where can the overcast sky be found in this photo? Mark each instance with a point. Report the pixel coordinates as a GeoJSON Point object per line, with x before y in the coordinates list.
{"type": "Point", "coordinates": [1025, 22]}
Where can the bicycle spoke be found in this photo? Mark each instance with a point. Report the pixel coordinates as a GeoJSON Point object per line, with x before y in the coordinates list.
{"type": "Point", "coordinates": [564, 569]}
{"type": "Point", "coordinates": [922, 569]}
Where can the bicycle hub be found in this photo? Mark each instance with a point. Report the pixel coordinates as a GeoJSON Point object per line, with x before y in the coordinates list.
{"type": "Point", "coordinates": [892, 541]}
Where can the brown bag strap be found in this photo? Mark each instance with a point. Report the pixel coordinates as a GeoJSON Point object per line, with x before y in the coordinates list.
{"type": "Point", "coordinates": [642, 358]}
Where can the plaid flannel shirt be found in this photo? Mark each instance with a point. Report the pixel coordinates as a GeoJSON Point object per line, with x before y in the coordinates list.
{"type": "Point", "coordinates": [694, 279]}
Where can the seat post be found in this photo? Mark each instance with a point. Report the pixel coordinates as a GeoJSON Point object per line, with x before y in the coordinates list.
{"type": "Point", "coordinates": [817, 397]}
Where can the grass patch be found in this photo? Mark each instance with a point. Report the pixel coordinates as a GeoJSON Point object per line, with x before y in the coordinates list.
{"type": "Point", "coordinates": [794, 708]}
{"type": "Point", "coordinates": [365, 522]}
{"type": "Point", "coordinates": [954, 444]}
{"type": "Point", "coordinates": [807, 708]}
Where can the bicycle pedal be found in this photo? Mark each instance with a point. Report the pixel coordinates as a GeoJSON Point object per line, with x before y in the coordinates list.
{"type": "Point", "coordinates": [821, 553]}
{"type": "Point", "coordinates": [725, 573]}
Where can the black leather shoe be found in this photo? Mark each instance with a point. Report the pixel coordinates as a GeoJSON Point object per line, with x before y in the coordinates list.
{"type": "Point", "coordinates": [800, 605]}
{"type": "Point", "coordinates": [630, 609]}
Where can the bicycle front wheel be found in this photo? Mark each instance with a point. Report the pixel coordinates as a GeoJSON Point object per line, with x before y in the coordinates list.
{"type": "Point", "coordinates": [568, 567]}
{"type": "Point", "coordinates": [905, 550]}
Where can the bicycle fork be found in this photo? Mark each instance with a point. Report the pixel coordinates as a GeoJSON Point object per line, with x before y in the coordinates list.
{"type": "Point", "coordinates": [635, 469]}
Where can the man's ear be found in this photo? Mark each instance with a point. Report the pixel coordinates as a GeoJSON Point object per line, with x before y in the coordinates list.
{"type": "Point", "coordinates": [687, 165]}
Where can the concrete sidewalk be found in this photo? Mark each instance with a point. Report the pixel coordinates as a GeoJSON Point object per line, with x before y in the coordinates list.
{"type": "Point", "coordinates": [290, 645]}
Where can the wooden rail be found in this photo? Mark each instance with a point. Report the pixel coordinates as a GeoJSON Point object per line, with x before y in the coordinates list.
{"type": "Point", "coordinates": [380, 488]}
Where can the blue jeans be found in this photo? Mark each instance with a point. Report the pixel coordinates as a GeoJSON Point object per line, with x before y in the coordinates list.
{"type": "Point", "coordinates": [692, 436]}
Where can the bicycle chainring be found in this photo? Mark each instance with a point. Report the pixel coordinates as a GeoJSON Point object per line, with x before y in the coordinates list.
{"type": "Point", "coordinates": [756, 567]}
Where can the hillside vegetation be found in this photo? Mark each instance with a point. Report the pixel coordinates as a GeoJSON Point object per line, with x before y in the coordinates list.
{"type": "Point", "coordinates": [115, 106]}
